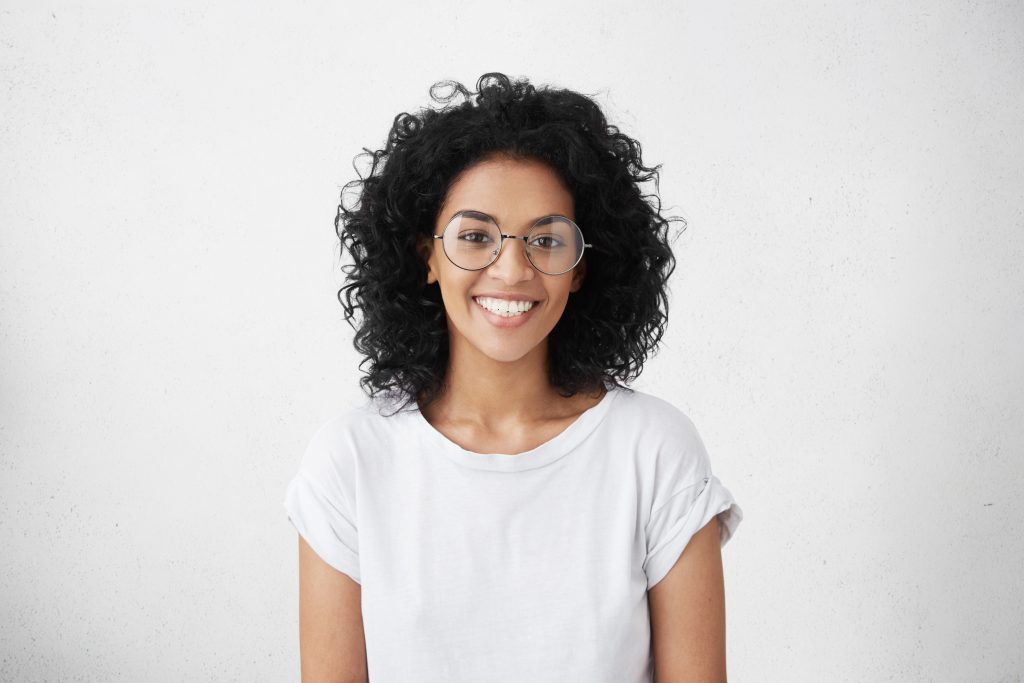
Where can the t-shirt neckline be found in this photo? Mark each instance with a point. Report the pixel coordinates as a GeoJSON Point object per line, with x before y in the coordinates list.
{"type": "Point", "coordinates": [546, 453]}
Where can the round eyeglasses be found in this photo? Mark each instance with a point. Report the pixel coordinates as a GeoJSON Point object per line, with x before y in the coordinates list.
{"type": "Point", "coordinates": [472, 240]}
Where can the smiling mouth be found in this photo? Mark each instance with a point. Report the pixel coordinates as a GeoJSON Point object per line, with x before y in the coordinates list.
{"type": "Point", "coordinates": [504, 307]}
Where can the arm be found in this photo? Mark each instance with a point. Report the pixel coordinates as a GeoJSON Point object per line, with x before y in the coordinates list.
{"type": "Point", "coordinates": [331, 640]}
{"type": "Point", "coordinates": [687, 610]}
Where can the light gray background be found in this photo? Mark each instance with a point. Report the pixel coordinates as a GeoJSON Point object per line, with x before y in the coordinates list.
{"type": "Point", "coordinates": [845, 327]}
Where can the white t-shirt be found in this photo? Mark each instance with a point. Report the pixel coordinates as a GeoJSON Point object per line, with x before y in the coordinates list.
{"type": "Point", "coordinates": [491, 567]}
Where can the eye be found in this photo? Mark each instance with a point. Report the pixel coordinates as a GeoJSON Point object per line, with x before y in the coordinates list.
{"type": "Point", "coordinates": [547, 242]}
{"type": "Point", "coordinates": [475, 236]}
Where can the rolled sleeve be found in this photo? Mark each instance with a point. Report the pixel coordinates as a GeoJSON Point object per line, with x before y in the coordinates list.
{"type": "Point", "coordinates": [325, 523]}
{"type": "Point", "coordinates": [674, 523]}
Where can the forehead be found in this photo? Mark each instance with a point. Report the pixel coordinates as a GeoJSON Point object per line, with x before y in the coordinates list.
{"type": "Point", "coordinates": [512, 191]}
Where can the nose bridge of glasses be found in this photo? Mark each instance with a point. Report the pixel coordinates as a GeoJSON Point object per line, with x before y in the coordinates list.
{"type": "Point", "coordinates": [501, 249]}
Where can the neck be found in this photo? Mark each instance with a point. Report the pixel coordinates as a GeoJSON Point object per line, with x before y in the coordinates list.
{"type": "Point", "coordinates": [493, 393]}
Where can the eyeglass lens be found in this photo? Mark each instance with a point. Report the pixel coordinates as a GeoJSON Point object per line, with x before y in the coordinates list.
{"type": "Point", "coordinates": [472, 241]}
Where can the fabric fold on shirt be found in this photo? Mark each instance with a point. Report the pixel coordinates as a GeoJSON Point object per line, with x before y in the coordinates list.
{"type": "Point", "coordinates": [676, 521]}
{"type": "Point", "coordinates": [323, 525]}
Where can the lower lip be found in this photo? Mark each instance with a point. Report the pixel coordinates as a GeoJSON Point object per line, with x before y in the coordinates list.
{"type": "Point", "coordinates": [510, 321]}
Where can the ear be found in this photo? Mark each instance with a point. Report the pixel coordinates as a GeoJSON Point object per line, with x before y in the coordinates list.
{"type": "Point", "coordinates": [578, 274]}
{"type": "Point", "coordinates": [425, 250]}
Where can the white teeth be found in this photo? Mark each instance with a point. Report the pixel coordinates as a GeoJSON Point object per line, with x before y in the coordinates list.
{"type": "Point", "coordinates": [504, 307]}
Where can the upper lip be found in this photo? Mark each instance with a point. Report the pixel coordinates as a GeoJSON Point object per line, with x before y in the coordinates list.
{"type": "Point", "coordinates": [503, 295]}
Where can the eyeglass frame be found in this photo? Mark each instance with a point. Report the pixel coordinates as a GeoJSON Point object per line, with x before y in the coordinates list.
{"type": "Point", "coordinates": [501, 244]}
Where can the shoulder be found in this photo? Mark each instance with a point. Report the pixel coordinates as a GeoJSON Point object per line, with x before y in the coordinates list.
{"type": "Point", "coordinates": [668, 448]}
{"type": "Point", "coordinates": [657, 419]}
{"type": "Point", "coordinates": [353, 422]}
{"type": "Point", "coordinates": [336, 446]}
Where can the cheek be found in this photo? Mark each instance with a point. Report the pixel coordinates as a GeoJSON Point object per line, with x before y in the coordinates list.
{"type": "Point", "coordinates": [560, 290]}
{"type": "Point", "coordinates": [455, 288]}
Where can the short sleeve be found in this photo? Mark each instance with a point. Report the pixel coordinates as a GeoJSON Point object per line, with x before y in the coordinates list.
{"type": "Point", "coordinates": [320, 511]}
{"type": "Point", "coordinates": [691, 497]}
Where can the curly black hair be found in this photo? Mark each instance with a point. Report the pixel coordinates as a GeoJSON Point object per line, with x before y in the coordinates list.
{"type": "Point", "coordinates": [609, 327]}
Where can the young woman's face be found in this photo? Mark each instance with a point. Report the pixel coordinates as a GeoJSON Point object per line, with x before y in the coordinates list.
{"type": "Point", "coordinates": [515, 193]}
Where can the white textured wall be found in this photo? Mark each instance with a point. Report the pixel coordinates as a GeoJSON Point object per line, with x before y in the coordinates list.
{"type": "Point", "coordinates": [846, 323]}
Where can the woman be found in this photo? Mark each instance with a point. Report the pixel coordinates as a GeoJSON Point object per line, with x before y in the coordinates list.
{"type": "Point", "coordinates": [503, 507]}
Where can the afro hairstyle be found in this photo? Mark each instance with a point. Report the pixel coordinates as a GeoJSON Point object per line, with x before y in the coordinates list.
{"type": "Point", "coordinates": [609, 327]}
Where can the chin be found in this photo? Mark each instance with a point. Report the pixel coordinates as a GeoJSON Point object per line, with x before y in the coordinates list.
{"type": "Point", "coordinates": [506, 353]}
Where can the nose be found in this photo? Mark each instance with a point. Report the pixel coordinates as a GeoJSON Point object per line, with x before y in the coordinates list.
{"type": "Point", "coordinates": [512, 265]}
